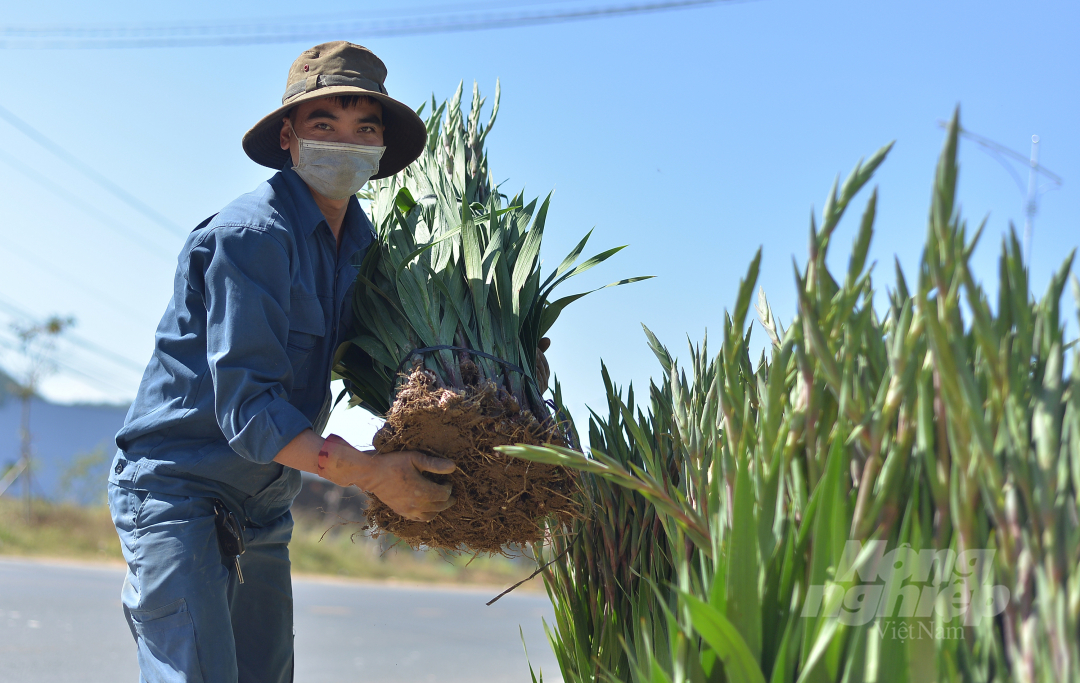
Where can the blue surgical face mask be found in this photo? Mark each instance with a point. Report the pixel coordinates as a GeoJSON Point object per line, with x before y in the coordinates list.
{"type": "Point", "coordinates": [336, 170]}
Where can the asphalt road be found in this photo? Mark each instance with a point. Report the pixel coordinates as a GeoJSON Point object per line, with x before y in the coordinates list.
{"type": "Point", "coordinates": [63, 623]}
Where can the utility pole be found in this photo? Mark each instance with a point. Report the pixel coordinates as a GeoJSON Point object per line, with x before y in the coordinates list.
{"type": "Point", "coordinates": [26, 393]}
{"type": "Point", "coordinates": [1004, 155]}
{"type": "Point", "coordinates": [37, 342]}
{"type": "Point", "coordinates": [1031, 206]}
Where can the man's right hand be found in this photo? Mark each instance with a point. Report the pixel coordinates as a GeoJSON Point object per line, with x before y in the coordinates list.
{"type": "Point", "coordinates": [396, 479]}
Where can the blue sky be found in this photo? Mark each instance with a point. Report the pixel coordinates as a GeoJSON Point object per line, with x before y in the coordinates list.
{"type": "Point", "coordinates": [693, 136]}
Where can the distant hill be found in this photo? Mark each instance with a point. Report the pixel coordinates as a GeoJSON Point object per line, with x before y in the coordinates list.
{"type": "Point", "coordinates": [71, 445]}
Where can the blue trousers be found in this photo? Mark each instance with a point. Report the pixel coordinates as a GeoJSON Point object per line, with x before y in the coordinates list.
{"type": "Point", "coordinates": [191, 618]}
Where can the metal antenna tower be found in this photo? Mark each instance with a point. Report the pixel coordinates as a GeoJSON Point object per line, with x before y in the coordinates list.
{"type": "Point", "coordinates": [1032, 197]}
{"type": "Point", "coordinates": [1003, 155]}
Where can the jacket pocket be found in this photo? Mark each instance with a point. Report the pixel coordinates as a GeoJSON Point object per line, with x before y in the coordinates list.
{"type": "Point", "coordinates": [307, 327]}
{"type": "Point", "coordinates": [167, 649]}
{"type": "Point", "coordinates": [306, 323]}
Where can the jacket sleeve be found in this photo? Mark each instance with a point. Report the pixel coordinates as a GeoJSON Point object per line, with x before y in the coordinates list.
{"type": "Point", "coordinates": [245, 275]}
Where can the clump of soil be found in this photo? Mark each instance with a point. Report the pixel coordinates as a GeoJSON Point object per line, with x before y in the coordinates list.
{"type": "Point", "coordinates": [501, 500]}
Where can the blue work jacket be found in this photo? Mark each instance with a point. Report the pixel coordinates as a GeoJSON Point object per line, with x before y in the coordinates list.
{"type": "Point", "coordinates": [242, 357]}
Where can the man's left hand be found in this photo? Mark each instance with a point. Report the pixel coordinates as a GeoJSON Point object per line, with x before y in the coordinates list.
{"type": "Point", "coordinates": [543, 370]}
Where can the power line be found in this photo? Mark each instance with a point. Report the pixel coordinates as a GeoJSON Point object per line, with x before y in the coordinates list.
{"type": "Point", "coordinates": [287, 31]}
{"type": "Point", "coordinates": [107, 298]}
{"type": "Point", "coordinates": [101, 217]}
{"type": "Point", "coordinates": [85, 343]}
{"type": "Point", "coordinates": [18, 312]}
{"type": "Point", "coordinates": [91, 174]}
{"type": "Point", "coordinates": [99, 383]}
{"type": "Point", "coordinates": [999, 150]}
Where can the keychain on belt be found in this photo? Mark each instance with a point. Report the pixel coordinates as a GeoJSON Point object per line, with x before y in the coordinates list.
{"type": "Point", "coordinates": [230, 536]}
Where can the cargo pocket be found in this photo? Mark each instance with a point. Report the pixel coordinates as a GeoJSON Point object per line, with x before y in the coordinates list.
{"type": "Point", "coordinates": [167, 650]}
{"type": "Point", "coordinates": [307, 327]}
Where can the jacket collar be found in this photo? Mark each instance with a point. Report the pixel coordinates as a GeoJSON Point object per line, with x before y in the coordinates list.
{"type": "Point", "coordinates": [357, 231]}
{"type": "Point", "coordinates": [307, 211]}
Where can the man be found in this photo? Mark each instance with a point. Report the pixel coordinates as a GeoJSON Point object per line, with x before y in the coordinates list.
{"type": "Point", "coordinates": [232, 403]}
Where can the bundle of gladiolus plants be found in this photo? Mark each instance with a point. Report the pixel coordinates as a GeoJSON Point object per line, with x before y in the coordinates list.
{"type": "Point", "coordinates": [450, 306]}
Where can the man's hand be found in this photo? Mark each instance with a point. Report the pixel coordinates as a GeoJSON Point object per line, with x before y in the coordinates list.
{"type": "Point", "coordinates": [395, 478]}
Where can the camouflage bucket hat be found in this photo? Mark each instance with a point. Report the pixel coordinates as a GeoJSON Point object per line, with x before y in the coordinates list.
{"type": "Point", "coordinates": [334, 69]}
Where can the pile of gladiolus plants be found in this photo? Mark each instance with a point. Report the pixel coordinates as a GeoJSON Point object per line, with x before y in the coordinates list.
{"type": "Point", "coordinates": [888, 494]}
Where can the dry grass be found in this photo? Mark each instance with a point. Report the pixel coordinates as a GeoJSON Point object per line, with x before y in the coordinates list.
{"type": "Point", "coordinates": [344, 550]}
{"type": "Point", "coordinates": [64, 531]}
{"type": "Point", "coordinates": [87, 533]}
